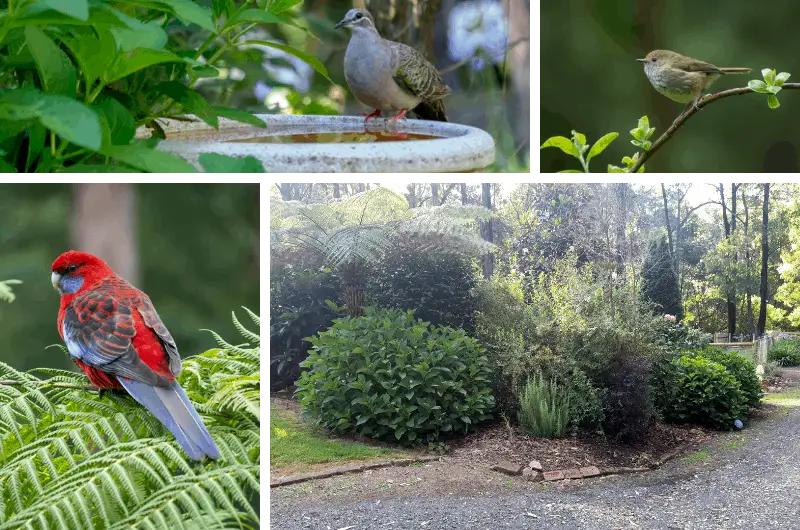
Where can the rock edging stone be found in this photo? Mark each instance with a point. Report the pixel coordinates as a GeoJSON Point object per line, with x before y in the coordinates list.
{"type": "Point", "coordinates": [353, 468]}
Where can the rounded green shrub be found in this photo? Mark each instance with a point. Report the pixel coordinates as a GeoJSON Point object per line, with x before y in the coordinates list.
{"type": "Point", "coordinates": [703, 392]}
{"type": "Point", "coordinates": [742, 369]}
{"type": "Point", "coordinates": [785, 353]}
{"type": "Point", "coordinates": [389, 376]}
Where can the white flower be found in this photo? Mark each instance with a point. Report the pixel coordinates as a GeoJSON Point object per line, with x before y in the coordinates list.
{"type": "Point", "coordinates": [477, 24]}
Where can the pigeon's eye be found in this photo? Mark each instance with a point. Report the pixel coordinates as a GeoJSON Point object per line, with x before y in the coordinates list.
{"type": "Point", "coordinates": [72, 268]}
{"type": "Point", "coordinates": [359, 15]}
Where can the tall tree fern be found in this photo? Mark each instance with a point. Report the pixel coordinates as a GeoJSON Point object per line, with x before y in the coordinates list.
{"type": "Point", "coordinates": [71, 458]}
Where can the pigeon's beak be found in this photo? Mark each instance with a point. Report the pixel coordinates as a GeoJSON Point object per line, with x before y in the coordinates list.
{"type": "Point", "coordinates": [55, 278]}
{"type": "Point", "coordinates": [642, 60]}
{"type": "Point", "coordinates": [340, 24]}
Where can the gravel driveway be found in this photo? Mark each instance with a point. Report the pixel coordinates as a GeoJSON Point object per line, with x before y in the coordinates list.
{"type": "Point", "coordinates": [754, 485]}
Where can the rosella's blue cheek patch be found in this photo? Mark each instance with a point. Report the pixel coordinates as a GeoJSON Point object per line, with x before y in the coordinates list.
{"type": "Point", "coordinates": [71, 284]}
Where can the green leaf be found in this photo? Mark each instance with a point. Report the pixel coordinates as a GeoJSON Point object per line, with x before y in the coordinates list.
{"type": "Point", "coordinates": [565, 144]}
{"type": "Point", "coordinates": [278, 6]}
{"type": "Point", "coordinates": [773, 102]}
{"type": "Point", "coordinates": [120, 126]}
{"type": "Point", "coordinates": [310, 60]}
{"type": "Point", "coordinates": [600, 145]}
{"type": "Point", "coordinates": [773, 89]}
{"type": "Point", "coordinates": [139, 35]}
{"type": "Point", "coordinates": [254, 15]}
{"type": "Point", "coordinates": [644, 123]}
{"type": "Point", "coordinates": [571, 171]}
{"type": "Point", "coordinates": [94, 50]}
{"type": "Point", "coordinates": [96, 168]}
{"type": "Point", "coordinates": [240, 116]}
{"type": "Point", "coordinates": [136, 60]}
{"type": "Point", "coordinates": [148, 159]}
{"type": "Point", "coordinates": [757, 85]}
{"type": "Point", "coordinates": [223, 7]}
{"type": "Point", "coordinates": [768, 75]}
{"type": "Point", "coordinates": [216, 163]}
{"type": "Point", "coordinates": [71, 120]}
{"type": "Point", "coordinates": [190, 12]}
{"type": "Point", "coordinates": [73, 8]}
{"type": "Point", "coordinates": [56, 71]}
{"type": "Point", "coordinates": [615, 169]}
{"type": "Point", "coordinates": [204, 71]}
{"type": "Point", "coordinates": [781, 78]}
{"type": "Point", "coordinates": [580, 137]}
{"type": "Point", "coordinates": [638, 133]}
{"type": "Point", "coordinates": [190, 100]}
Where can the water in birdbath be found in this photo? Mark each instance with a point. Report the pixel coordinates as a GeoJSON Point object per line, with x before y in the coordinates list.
{"type": "Point", "coordinates": [337, 137]}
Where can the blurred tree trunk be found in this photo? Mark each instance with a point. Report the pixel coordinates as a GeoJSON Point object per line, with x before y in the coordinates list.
{"type": "Point", "coordinates": [488, 259]}
{"type": "Point", "coordinates": [762, 292]}
{"type": "Point", "coordinates": [336, 193]}
{"type": "Point", "coordinates": [519, 58]}
{"type": "Point", "coordinates": [751, 327]}
{"type": "Point", "coordinates": [463, 195]}
{"type": "Point", "coordinates": [434, 195]}
{"type": "Point", "coordinates": [286, 191]}
{"type": "Point", "coordinates": [105, 225]}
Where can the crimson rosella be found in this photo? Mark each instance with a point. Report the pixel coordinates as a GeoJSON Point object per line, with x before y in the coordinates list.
{"type": "Point", "coordinates": [114, 334]}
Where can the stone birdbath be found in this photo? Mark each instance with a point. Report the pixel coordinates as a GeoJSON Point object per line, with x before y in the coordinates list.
{"type": "Point", "coordinates": [308, 144]}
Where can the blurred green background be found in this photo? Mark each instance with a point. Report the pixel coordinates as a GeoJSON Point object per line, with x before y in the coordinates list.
{"type": "Point", "coordinates": [591, 82]}
{"type": "Point", "coordinates": [192, 248]}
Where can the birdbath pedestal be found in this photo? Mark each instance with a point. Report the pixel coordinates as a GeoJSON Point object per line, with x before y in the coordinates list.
{"type": "Point", "coordinates": [308, 144]}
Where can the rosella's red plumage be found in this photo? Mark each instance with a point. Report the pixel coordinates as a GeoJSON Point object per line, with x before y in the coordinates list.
{"type": "Point", "coordinates": [114, 334]}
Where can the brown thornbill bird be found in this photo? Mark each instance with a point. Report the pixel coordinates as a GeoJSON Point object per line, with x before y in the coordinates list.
{"type": "Point", "coordinates": [682, 78]}
{"type": "Point", "coordinates": [390, 76]}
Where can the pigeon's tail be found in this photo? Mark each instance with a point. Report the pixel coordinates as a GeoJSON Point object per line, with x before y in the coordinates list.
{"type": "Point", "coordinates": [431, 110]}
{"type": "Point", "coordinates": [172, 407]}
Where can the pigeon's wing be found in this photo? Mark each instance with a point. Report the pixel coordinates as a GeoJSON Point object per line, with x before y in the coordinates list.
{"type": "Point", "coordinates": [416, 75]}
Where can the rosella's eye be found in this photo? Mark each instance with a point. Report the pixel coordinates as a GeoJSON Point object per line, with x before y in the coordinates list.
{"type": "Point", "coordinates": [359, 15]}
{"type": "Point", "coordinates": [72, 268]}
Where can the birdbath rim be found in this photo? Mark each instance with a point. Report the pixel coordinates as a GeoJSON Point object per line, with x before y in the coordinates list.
{"type": "Point", "coordinates": [459, 148]}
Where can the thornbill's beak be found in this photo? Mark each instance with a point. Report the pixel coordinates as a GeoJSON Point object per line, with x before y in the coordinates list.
{"type": "Point", "coordinates": [339, 25]}
{"type": "Point", "coordinates": [642, 60]}
{"type": "Point", "coordinates": [55, 278]}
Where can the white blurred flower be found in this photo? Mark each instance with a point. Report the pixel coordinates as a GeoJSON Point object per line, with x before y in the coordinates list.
{"type": "Point", "coordinates": [477, 24]}
{"type": "Point", "coordinates": [261, 90]}
{"type": "Point", "coordinates": [671, 318]}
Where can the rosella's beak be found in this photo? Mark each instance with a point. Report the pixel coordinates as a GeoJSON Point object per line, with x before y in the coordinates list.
{"type": "Point", "coordinates": [55, 278]}
{"type": "Point", "coordinates": [642, 60]}
{"type": "Point", "coordinates": [339, 25]}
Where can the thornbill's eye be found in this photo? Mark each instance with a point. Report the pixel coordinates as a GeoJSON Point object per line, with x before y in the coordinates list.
{"type": "Point", "coordinates": [359, 15]}
{"type": "Point", "coordinates": [72, 268]}
{"type": "Point", "coordinates": [654, 59]}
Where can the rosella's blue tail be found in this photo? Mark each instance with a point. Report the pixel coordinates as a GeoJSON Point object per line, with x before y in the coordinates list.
{"type": "Point", "coordinates": [172, 407]}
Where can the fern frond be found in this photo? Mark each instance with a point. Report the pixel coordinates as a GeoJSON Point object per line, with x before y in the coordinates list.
{"type": "Point", "coordinates": [6, 294]}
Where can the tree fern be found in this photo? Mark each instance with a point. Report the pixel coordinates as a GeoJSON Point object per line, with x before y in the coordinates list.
{"type": "Point", "coordinates": [6, 294]}
{"type": "Point", "coordinates": [72, 459]}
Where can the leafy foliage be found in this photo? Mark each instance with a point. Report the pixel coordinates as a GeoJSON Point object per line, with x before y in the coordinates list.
{"type": "Point", "coordinates": [785, 353]}
{"type": "Point", "coordinates": [702, 391]}
{"type": "Point", "coordinates": [74, 460]}
{"type": "Point", "coordinates": [629, 408]}
{"type": "Point", "coordinates": [81, 80]}
{"type": "Point", "coordinates": [659, 281]}
{"type": "Point", "coordinates": [390, 376]}
{"type": "Point", "coordinates": [438, 286]}
{"type": "Point", "coordinates": [300, 306]}
{"type": "Point", "coordinates": [544, 408]}
{"type": "Point", "coordinates": [742, 369]}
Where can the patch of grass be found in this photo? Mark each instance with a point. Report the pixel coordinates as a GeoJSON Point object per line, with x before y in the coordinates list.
{"type": "Point", "coordinates": [508, 484]}
{"type": "Point", "coordinates": [734, 444]}
{"type": "Point", "coordinates": [699, 456]}
{"type": "Point", "coordinates": [785, 399]}
{"type": "Point", "coordinates": [298, 446]}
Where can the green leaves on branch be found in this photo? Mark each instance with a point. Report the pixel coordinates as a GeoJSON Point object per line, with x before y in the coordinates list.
{"type": "Point", "coordinates": [771, 85]}
{"type": "Point", "coordinates": [577, 147]}
{"type": "Point", "coordinates": [642, 133]}
{"type": "Point", "coordinates": [80, 77]}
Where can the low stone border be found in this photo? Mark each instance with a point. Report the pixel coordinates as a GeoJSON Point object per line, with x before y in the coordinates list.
{"type": "Point", "coordinates": [584, 472]}
{"type": "Point", "coordinates": [354, 468]}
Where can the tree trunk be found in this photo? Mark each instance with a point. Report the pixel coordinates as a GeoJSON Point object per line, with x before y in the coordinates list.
{"type": "Point", "coordinates": [729, 295]}
{"type": "Point", "coordinates": [488, 259]}
{"type": "Point", "coordinates": [105, 225]}
{"type": "Point", "coordinates": [434, 195]}
{"type": "Point", "coordinates": [286, 191]}
{"type": "Point", "coordinates": [762, 312]}
{"type": "Point", "coordinates": [751, 327]}
{"type": "Point", "coordinates": [337, 194]}
{"type": "Point", "coordinates": [519, 57]}
{"type": "Point", "coordinates": [621, 190]}
{"type": "Point", "coordinates": [463, 195]}
{"type": "Point", "coordinates": [668, 225]}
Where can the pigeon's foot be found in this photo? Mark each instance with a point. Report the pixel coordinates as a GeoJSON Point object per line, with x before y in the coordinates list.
{"type": "Point", "coordinates": [401, 115]}
{"type": "Point", "coordinates": [396, 134]}
{"type": "Point", "coordinates": [374, 114]}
